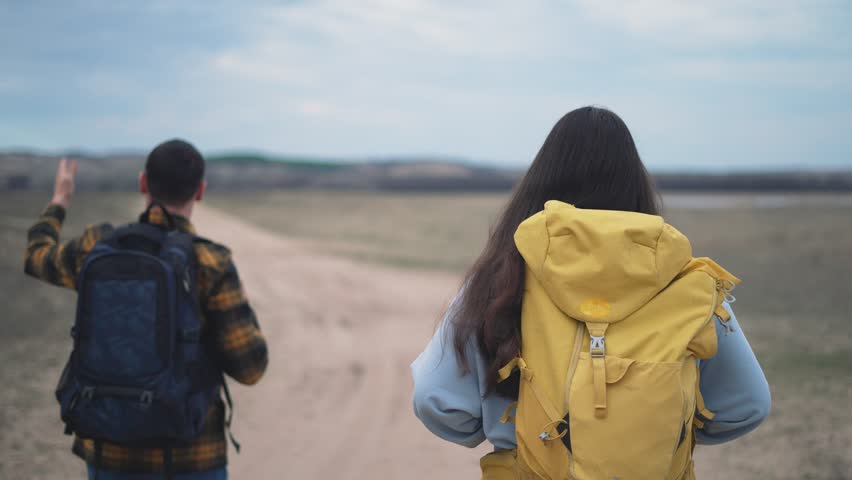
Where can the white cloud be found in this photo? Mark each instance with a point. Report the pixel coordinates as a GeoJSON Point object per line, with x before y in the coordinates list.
{"type": "Point", "coordinates": [10, 84]}
{"type": "Point", "coordinates": [689, 23]}
{"type": "Point", "coordinates": [330, 111]}
{"type": "Point", "coordinates": [265, 64]}
{"type": "Point", "coordinates": [817, 74]}
{"type": "Point", "coordinates": [387, 62]}
{"type": "Point", "coordinates": [490, 29]}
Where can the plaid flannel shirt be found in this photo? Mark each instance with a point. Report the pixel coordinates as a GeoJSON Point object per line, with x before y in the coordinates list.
{"type": "Point", "coordinates": [228, 323]}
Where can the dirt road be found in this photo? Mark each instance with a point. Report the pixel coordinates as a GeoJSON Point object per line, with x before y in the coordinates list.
{"type": "Point", "coordinates": [336, 400]}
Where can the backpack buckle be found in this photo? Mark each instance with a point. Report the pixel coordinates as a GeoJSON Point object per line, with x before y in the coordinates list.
{"type": "Point", "coordinates": [727, 286]}
{"type": "Point", "coordinates": [186, 281]}
{"type": "Point", "coordinates": [146, 398]}
{"type": "Point", "coordinates": [597, 346]}
{"type": "Point", "coordinates": [87, 393]}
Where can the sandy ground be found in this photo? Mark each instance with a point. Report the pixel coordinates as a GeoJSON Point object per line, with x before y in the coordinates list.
{"type": "Point", "coordinates": [336, 400]}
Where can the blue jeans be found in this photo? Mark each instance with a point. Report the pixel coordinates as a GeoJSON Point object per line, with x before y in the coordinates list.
{"type": "Point", "coordinates": [217, 474]}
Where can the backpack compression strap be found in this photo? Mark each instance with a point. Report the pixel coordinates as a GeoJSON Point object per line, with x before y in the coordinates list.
{"type": "Point", "coordinates": [597, 350]}
{"type": "Point", "coordinates": [527, 376]}
{"type": "Point", "coordinates": [230, 416]}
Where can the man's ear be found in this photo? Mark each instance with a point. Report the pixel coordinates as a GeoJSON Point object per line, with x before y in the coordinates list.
{"type": "Point", "coordinates": [143, 183]}
{"type": "Point", "coordinates": [199, 194]}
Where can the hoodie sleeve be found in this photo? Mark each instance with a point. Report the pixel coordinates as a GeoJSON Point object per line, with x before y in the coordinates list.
{"type": "Point", "coordinates": [733, 387]}
{"type": "Point", "coordinates": [445, 400]}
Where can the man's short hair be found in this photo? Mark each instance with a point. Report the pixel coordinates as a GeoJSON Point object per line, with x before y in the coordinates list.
{"type": "Point", "coordinates": [175, 170]}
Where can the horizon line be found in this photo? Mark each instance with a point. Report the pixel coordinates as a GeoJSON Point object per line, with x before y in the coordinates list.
{"type": "Point", "coordinates": [283, 158]}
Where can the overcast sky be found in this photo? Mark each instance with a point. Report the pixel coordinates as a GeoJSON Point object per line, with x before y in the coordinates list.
{"type": "Point", "coordinates": [722, 84]}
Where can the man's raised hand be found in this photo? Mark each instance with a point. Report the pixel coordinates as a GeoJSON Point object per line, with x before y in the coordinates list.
{"type": "Point", "coordinates": [63, 186]}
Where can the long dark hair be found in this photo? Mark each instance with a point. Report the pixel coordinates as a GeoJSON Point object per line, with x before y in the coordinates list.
{"type": "Point", "coordinates": [589, 160]}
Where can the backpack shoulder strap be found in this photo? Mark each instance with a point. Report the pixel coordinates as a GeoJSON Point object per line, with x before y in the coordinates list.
{"type": "Point", "coordinates": [178, 250]}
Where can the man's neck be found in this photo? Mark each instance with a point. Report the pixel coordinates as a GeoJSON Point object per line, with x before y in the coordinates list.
{"type": "Point", "coordinates": [184, 211]}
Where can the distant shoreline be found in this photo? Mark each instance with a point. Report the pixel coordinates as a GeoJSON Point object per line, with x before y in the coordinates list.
{"type": "Point", "coordinates": [718, 200]}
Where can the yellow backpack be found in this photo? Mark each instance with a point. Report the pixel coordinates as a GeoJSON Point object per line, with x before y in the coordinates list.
{"type": "Point", "coordinates": [615, 313]}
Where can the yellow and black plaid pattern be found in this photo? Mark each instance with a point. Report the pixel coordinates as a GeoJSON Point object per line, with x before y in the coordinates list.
{"type": "Point", "coordinates": [229, 327]}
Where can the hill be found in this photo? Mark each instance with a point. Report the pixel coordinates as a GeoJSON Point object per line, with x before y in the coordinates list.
{"type": "Point", "coordinates": [29, 171]}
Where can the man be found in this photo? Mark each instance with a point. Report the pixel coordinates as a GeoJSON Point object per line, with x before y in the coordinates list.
{"type": "Point", "coordinates": [173, 180]}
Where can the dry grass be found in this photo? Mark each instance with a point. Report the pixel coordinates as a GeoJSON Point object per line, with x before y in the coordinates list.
{"type": "Point", "coordinates": [795, 305]}
{"type": "Point", "coordinates": [35, 342]}
{"type": "Point", "coordinates": [405, 230]}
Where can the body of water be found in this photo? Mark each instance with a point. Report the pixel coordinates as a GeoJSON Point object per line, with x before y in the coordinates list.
{"type": "Point", "coordinates": [713, 201]}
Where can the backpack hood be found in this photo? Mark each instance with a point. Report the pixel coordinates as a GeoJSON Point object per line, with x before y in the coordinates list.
{"type": "Point", "coordinates": [601, 265]}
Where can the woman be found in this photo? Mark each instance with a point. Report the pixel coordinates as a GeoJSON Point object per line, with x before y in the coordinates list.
{"type": "Point", "coordinates": [588, 161]}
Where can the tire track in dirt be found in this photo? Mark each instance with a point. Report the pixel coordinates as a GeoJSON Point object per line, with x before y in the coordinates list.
{"type": "Point", "coordinates": [336, 400]}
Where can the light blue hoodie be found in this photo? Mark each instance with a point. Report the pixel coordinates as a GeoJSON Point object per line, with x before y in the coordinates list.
{"type": "Point", "coordinates": [453, 406]}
